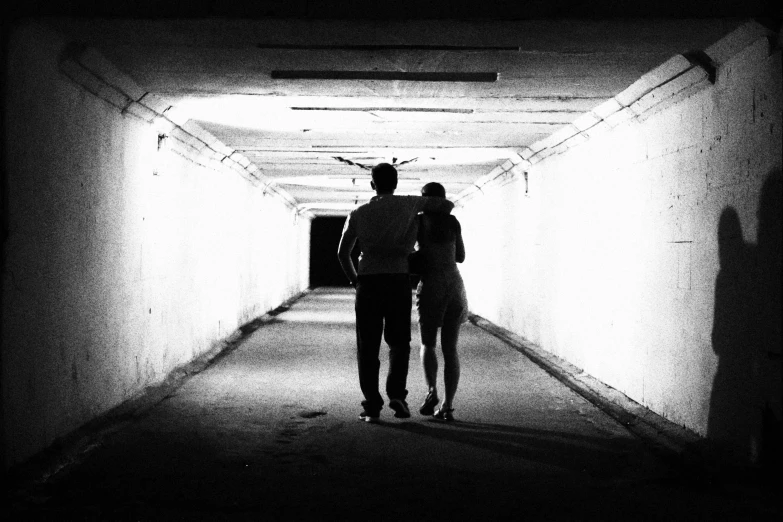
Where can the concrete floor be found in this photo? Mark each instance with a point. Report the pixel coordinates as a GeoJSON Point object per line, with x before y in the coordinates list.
{"type": "Point", "coordinates": [270, 431]}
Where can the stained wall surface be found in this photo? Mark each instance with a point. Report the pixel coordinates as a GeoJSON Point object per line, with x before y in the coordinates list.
{"type": "Point", "coordinates": [647, 254]}
{"type": "Point", "coordinates": [124, 259]}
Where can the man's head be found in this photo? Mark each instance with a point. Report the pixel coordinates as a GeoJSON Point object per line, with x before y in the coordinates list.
{"type": "Point", "coordinates": [384, 178]}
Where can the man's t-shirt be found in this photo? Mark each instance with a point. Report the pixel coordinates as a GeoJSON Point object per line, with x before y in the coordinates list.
{"type": "Point", "coordinates": [385, 228]}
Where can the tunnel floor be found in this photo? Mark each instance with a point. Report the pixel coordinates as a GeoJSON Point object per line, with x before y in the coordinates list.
{"type": "Point", "coordinates": [270, 431]}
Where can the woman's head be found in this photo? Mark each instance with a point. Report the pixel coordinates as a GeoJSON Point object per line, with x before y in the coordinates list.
{"type": "Point", "coordinates": [433, 190]}
{"type": "Point", "coordinates": [441, 228]}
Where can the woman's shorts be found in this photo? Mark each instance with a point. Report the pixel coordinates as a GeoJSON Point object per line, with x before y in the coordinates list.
{"type": "Point", "coordinates": [441, 299]}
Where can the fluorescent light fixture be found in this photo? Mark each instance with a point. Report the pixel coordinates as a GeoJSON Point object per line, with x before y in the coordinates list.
{"type": "Point", "coordinates": [327, 206]}
{"type": "Point", "coordinates": [268, 114]}
{"type": "Point", "coordinates": [368, 177]}
{"type": "Point", "coordinates": [386, 76]}
{"type": "Point", "coordinates": [384, 109]}
{"type": "Point", "coordinates": [348, 205]}
{"type": "Point", "coordinates": [347, 182]}
{"type": "Point", "coordinates": [388, 47]}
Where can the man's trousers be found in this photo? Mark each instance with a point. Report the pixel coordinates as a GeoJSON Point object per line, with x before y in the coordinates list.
{"type": "Point", "coordinates": [383, 309]}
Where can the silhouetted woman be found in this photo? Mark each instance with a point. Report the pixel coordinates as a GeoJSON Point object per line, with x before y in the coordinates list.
{"type": "Point", "coordinates": [441, 303]}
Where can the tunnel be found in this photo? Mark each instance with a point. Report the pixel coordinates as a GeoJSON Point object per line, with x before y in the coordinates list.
{"type": "Point", "coordinates": [176, 180]}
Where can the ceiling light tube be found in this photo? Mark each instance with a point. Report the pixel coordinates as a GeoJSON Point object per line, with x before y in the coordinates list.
{"type": "Point", "coordinates": [384, 109]}
{"type": "Point", "coordinates": [344, 47]}
{"type": "Point", "coordinates": [386, 76]}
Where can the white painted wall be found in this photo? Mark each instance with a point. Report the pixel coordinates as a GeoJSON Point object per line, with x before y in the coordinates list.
{"type": "Point", "coordinates": [115, 275]}
{"type": "Point", "coordinates": [611, 259]}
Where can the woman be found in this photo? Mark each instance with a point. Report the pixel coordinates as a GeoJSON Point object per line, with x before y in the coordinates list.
{"type": "Point", "coordinates": [441, 303]}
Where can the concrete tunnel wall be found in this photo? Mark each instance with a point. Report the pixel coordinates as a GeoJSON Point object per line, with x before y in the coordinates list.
{"type": "Point", "coordinates": [606, 251]}
{"type": "Point", "coordinates": [122, 263]}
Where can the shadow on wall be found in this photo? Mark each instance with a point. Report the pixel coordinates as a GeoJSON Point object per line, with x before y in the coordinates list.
{"type": "Point", "coordinates": [745, 407]}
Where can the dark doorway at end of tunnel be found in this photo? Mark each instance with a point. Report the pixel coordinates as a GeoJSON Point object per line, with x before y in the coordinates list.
{"type": "Point", "coordinates": [325, 269]}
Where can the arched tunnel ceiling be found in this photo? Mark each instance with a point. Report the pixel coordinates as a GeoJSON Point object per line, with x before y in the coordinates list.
{"type": "Point", "coordinates": [304, 99]}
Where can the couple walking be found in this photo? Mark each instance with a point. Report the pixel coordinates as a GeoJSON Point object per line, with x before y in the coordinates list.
{"type": "Point", "coordinates": [387, 228]}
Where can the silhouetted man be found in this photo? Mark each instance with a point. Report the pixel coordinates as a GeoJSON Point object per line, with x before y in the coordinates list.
{"type": "Point", "coordinates": [385, 228]}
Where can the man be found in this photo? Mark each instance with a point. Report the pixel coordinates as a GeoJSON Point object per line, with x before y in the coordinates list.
{"type": "Point", "coordinates": [385, 228]}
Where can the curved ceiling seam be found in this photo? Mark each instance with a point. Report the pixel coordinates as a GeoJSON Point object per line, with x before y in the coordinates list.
{"type": "Point", "coordinates": [89, 69]}
{"type": "Point", "coordinates": [639, 98]}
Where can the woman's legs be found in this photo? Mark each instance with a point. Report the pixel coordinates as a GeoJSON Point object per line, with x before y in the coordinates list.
{"type": "Point", "coordinates": [449, 337]}
{"type": "Point", "coordinates": [429, 361]}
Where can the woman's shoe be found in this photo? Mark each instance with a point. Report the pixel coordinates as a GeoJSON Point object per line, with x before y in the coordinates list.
{"type": "Point", "coordinates": [444, 414]}
{"type": "Point", "coordinates": [428, 408]}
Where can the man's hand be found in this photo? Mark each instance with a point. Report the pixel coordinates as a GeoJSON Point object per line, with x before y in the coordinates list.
{"type": "Point", "coordinates": [438, 205]}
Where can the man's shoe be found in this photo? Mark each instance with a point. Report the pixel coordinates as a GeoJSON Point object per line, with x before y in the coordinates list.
{"type": "Point", "coordinates": [400, 408]}
{"type": "Point", "coordinates": [428, 408]}
{"type": "Point", "coordinates": [369, 417]}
